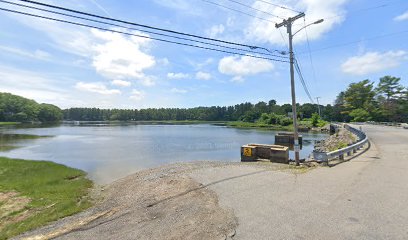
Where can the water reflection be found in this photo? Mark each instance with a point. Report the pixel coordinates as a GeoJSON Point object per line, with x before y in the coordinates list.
{"type": "Point", "coordinates": [108, 152]}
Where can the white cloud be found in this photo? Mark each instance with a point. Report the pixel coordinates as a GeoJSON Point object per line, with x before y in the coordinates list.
{"type": "Point", "coordinates": [177, 75]}
{"type": "Point", "coordinates": [137, 95]}
{"type": "Point", "coordinates": [113, 55]}
{"type": "Point", "coordinates": [96, 87]}
{"type": "Point", "coordinates": [40, 87]}
{"type": "Point", "coordinates": [177, 90]}
{"type": "Point", "coordinates": [121, 83]}
{"type": "Point", "coordinates": [237, 79]}
{"type": "Point", "coordinates": [119, 56]}
{"type": "Point", "coordinates": [264, 31]}
{"type": "Point", "coordinates": [37, 54]}
{"type": "Point", "coordinates": [402, 17]}
{"type": "Point", "coordinates": [215, 30]}
{"type": "Point", "coordinates": [203, 76]}
{"type": "Point", "coordinates": [372, 62]}
{"type": "Point", "coordinates": [243, 66]}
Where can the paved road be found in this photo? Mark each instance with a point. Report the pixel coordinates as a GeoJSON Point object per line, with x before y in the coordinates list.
{"type": "Point", "coordinates": [365, 198]}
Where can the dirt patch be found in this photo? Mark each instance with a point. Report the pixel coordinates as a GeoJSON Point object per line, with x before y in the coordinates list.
{"type": "Point", "coordinates": [163, 203]}
{"type": "Point", "coordinates": [13, 208]}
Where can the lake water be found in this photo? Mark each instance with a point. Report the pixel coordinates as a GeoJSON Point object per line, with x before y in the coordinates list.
{"type": "Point", "coordinates": [109, 152]}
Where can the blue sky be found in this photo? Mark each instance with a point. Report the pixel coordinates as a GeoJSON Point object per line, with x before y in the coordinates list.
{"type": "Point", "coordinates": [72, 66]}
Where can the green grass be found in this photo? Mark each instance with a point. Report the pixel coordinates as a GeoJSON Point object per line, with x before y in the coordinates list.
{"type": "Point", "coordinates": [238, 124]}
{"type": "Point", "coordinates": [55, 191]}
{"type": "Point", "coordinates": [8, 123]}
{"type": "Point", "coordinates": [5, 148]}
{"type": "Point", "coordinates": [307, 122]}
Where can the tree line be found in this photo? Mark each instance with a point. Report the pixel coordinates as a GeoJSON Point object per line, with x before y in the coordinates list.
{"type": "Point", "coordinates": [361, 101]}
{"type": "Point", "coordinates": [14, 108]}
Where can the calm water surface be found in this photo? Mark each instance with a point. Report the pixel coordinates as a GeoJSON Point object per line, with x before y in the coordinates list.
{"type": "Point", "coordinates": [109, 152]}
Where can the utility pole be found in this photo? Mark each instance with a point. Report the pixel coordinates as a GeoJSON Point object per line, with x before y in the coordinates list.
{"type": "Point", "coordinates": [288, 24]}
{"type": "Point", "coordinates": [318, 106]}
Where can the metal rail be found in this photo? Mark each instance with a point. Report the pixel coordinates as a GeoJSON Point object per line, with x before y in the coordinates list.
{"type": "Point", "coordinates": [327, 156]}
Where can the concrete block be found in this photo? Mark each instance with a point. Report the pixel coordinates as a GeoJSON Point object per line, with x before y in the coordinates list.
{"type": "Point", "coordinates": [274, 153]}
{"type": "Point", "coordinates": [287, 138]}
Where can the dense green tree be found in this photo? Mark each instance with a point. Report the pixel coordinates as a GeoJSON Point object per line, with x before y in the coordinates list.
{"type": "Point", "coordinates": [49, 113]}
{"type": "Point", "coordinates": [20, 109]}
{"type": "Point", "coordinates": [360, 115]}
{"type": "Point", "coordinates": [359, 95]}
{"type": "Point", "coordinates": [315, 119]}
{"type": "Point", "coordinates": [390, 87]}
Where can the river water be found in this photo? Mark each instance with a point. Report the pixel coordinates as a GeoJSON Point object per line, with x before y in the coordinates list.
{"type": "Point", "coordinates": [109, 152]}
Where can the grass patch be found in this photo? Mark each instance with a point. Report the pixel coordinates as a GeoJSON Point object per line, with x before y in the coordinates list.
{"type": "Point", "coordinates": [7, 137]}
{"type": "Point", "coordinates": [54, 190]}
{"type": "Point", "coordinates": [307, 122]}
{"type": "Point", "coordinates": [8, 123]}
{"type": "Point", "coordinates": [339, 145]}
{"type": "Point", "coordinates": [238, 124]}
{"type": "Point", "coordinates": [8, 141]}
{"type": "Point", "coordinates": [6, 148]}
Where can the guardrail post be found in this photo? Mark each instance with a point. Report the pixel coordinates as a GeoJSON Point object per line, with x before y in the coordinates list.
{"type": "Point", "coordinates": [354, 150]}
{"type": "Point", "coordinates": [349, 153]}
{"type": "Point", "coordinates": [341, 157]}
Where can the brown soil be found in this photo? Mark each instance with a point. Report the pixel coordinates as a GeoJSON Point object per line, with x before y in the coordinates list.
{"type": "Point", "coordinates": [12, 208]}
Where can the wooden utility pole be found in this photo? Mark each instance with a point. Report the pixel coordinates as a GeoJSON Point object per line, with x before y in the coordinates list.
{"type": "Point", "coordinates": [288, 24]}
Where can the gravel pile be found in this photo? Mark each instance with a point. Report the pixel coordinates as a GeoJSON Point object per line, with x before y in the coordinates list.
{"type": "Point", "coordinates": [340, 139]}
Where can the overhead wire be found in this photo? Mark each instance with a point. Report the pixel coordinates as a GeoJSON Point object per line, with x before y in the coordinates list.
{"type": "Point", "coordinates": [141, 30]}
{"type": "Point", "coordinates": [310, 54]}
{"type": "Point", "coordinates": [255, 9]}
{"type": "Point", "coordinates": [279, 6]}
{"type": "Point", "coordinates": [138, 35]}
{"type": "Point", "coordinates": [356, 41]}
{"type": "Point", "coordinates": [144, 25]}
{"type": "Point", "coordinates": [302, 80]}
{"type": "Point", "coordinates": [353, 11]}
{"type": "Point", "coordinates": [239, 11]}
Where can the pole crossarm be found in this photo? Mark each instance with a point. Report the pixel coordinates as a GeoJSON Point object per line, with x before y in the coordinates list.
{"type": "Point", "coordinates": [289, 20]}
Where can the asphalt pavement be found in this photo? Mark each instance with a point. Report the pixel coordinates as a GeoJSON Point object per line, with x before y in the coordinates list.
{"type": "Point", "coordinates": [364, 198]}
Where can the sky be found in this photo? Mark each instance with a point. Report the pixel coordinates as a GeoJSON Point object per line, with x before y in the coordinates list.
{"type": "Point", "coordinates": [74, 66]}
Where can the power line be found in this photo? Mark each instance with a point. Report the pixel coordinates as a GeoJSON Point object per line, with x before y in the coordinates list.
{"type": "Point", "coordinates": [310, 54]}
{"type": "Point", "coordinates": [143, 25]}
{"type": "Point", "coordinates": [235, 10]}
{"type": "Point", "coordinates": [137, 35]}
{"type": "Point", "coordinates": [141, 30]}
{"type": "Point", "coordinates": [279, 6]}
{"type": "Point", "coordinates": [361, 10]}
{"type": "Point", "coordinates": [357, 41]}
{"type": "Point", "coordinates": [250, 7]}
{"type": "Point", "coordinates": [299, 72]}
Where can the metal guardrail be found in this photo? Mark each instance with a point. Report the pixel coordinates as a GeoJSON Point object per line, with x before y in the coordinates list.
{"type": "Point", "coordinates": [327, 156]}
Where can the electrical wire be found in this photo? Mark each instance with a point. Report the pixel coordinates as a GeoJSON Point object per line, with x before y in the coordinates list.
{"type": "Point", "coordinates": [310, 54]}
{"type": "Point", "coordinates": [140, 30]}
{"type": "Point", "coordinates": [143, 25]}
{"type": "Point", "coordinates": [299, 72]}
{"type": "Point", "coordinates": [255, 9]}
{"type": "Point", "coordinates": [239, 11]}
{"type": "Point", "coordinates": [279, 6]}
{"type": "Point", "coordinates": [357, 41]}
{"type": "Point", "coordinates": [137, 35]}
{"type": "Point", "coordinates": [360, 10]}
